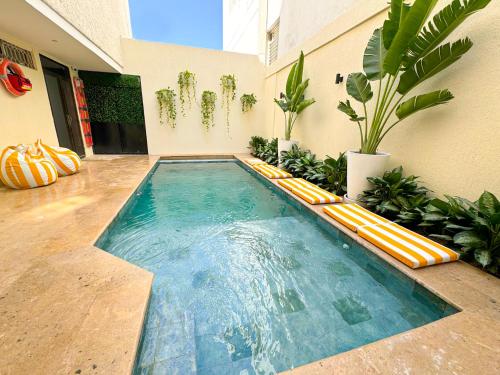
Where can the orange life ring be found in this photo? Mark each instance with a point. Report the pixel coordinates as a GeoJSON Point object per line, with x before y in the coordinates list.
{"type": "Point", "coordinates": [5, 65]}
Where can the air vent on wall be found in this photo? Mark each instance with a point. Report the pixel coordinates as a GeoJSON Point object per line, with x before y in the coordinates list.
{"type": "Point", "coordinates": [16, 54]}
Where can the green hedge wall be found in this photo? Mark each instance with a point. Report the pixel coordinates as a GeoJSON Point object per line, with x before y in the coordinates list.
{"type": "Point", "coordinates": [113, 98]}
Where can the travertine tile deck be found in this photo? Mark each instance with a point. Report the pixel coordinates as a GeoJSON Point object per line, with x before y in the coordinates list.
{"type": "Point", "coordinates": [67, 307]}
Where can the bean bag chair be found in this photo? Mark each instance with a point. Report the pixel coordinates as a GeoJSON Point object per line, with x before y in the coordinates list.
{"type": "Point", "coordinates": [66, 161]}
{"type": "Point", "coordinates": [24, 168]}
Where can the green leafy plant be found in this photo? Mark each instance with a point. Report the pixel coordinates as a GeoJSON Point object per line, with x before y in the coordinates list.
{"type": "Point", "coordinates": [247, 102]}
{"type": "Point", "coordinates": [293, 101]}
{"type": "Point", "coordinates": [228, 84]}
{"type": "Point", "coordinates": [166, 103]}
{"type": "Point", "coordinates": [472, 226]}
{"type": "Point", "coordinates": [330, 174]}
{"type": "Point", "coordinates": [397, 197]}
{"type": "Point", "coordinates": [335, 174]}
{"type": "Point", "coordinates": [401, 55]}
{"type": "Point", "coordinates": [208, 99]}
{"type": "Point", "coordinates": [269, 152]}
{"type": "Point", "coordinates": [301, 163]}
{"type": "Point", "coordinates": [256, 144]}
{"type": "Point", "coordinates": [187, 89]}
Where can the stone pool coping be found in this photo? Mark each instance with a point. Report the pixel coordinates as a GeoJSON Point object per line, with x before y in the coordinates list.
{"type": "Point", "coordinates": [67, 306]}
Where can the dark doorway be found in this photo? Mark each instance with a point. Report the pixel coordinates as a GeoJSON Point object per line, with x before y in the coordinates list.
{"type": "Point", "coordinates": [116, 112]}
{"type": "Point", "coordinates": [62, 104]}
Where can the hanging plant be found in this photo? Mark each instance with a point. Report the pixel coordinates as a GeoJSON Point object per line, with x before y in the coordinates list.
{"type": "Point", "coordinates": [166, 102]}
{"type": "Point", "coordinates": [208, 99]}
{"type": "Point", "coordinates": [247, 102]}
{"type": "Point", "coordinates": [228, 83]}
{"type": "Point", "coordinates": [187, 89]}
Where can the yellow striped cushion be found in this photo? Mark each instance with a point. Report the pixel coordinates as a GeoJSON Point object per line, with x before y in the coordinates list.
{"type": "Point", "coordinates": [254, 161]}
{"type": "Point", "coordinates": [22, 169]}
{"type": "Point", "coordinates": [66, 161]}
{"type": "Point", "coordinates": [408, 247]}
{"type": "Point", "coordinates": [271, 172]}
{"type": "Point", "coordinates": [353, 216]}
{"type": "Point", "coordinates": [309, 192]}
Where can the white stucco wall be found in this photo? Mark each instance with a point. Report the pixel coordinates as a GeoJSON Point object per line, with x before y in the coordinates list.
{"type": "Point", "coordinates": [300, 20]}
{"type": "Point", "coordinates": [103, 22]}
{"type": "Point", "coordinates": [241, 26]}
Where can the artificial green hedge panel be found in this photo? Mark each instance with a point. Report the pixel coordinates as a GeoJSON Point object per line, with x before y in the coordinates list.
{"type": "Point", "coordinates": [113, 98]}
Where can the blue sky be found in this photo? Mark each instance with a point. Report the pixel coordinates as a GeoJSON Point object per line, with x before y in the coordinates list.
{"type": "Point", "coordinates": [195, 23]}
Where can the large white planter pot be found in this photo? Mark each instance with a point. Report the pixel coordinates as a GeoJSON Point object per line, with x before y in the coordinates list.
{"type": "Point", "coordinates": [360, 167]}
{"type": "Point", "coordinates": [284, 145]}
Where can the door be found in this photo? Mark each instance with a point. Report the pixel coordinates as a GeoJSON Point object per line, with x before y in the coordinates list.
{"type": "Point", "coordinates": [62, 104]}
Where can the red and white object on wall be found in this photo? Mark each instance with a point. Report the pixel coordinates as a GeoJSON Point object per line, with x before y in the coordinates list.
{"type": "Point", "coordinates": [83, 110]}
{"type": "Point", "coordinates": [13, 78]}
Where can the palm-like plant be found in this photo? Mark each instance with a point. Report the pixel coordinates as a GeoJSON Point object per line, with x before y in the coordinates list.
{"type": "Point", "coordinates": [293, 101]}
{"type": "Point", "coordinates": [400, 56]}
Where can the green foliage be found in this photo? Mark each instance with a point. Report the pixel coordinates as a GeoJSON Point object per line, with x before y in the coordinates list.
{"type": "Point", "coordinates": [330, 174]}
{"type": "Point", "coordinates": [228, 84]}
{"type": "Point", "coordinates": [335, 172]}
{"type": "Point", "coordinates": [167, 107]}
{"type": "Point", "coordinates": [113, 98]}
{"type": "Point", "coordinates": [396, 197]}
{"type": "Point", "coordinates": [265, 150]}
{"type": "Point", "coordinates": [247, 102]}
{"type": "Point", "coordinates": [208, 99]}
{"type": "Point", "coordinates": [256, 143]}
{"type": "Point", "coordinates": [472, 226]}
{"type": "Point", "coordinates": [293, 101]}
{"type": "Point", "coordinates": [403, 54]}
{"type": "Point", "coordinates": [187, 89]}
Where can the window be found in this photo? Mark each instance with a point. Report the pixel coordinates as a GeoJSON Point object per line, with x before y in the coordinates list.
{"type": "Point", "coordinates": [16, 54]}
{"type": "Point", "coordinates": [272, 42]}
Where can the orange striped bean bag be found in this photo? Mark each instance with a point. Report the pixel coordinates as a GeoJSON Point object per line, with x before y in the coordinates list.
{"type": "Point", "coordinates": [408, 247]}
{"type": "Point", "coordinates": [353, 216]}
{"type": "Point", "coordinates": [309, 192]}
{"type": "Point", "coordinates": [21, 168]}
{"type": "Point", "coordinates": [66, 161]}
{"type": "Point", "coordinates": [271, 172]}
{"type": "Point", "coordinates": [254, 161]}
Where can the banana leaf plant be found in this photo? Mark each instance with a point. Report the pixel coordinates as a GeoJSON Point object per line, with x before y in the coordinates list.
{"type": "Point", "coordinates": [293, 101]}
{"type": "Point", "coordinates": [400, 56]}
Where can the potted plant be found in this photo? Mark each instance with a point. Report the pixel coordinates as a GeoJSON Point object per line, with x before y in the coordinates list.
{"type": "Point", "coordinates": [293, 102]}
{"type": "Point", "coordinates": [400, 56]}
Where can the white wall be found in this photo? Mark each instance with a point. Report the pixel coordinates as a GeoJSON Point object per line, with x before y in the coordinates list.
{"type": "Point", "coordinates": [302, 19]}
{"type": "Point", "coordinates": [159, 64]}
{"type": "Point", "coordinates": [240, 31]}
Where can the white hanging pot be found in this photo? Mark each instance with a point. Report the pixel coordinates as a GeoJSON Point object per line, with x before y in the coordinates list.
{"type": "Point", "coordinates": [284, 145]}
{"type": "Point", "coordinates": [360, 167]}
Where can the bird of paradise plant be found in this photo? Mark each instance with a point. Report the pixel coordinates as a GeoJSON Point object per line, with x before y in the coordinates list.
{"type": "Point", "coordinates": [401, 55]}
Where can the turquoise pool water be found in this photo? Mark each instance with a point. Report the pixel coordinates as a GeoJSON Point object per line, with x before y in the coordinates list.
{"type": "Point", "coordinates": [247, 281]}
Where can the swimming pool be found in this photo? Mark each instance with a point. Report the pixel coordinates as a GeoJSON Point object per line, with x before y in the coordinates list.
{"type": "Point", "coordinates": [249, 281]}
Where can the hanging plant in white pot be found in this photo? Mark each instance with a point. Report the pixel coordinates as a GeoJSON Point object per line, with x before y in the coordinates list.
{"type": "Point", "coordinates": [293, 102]}
{"type": "Point", "coordinates": [400, 56]}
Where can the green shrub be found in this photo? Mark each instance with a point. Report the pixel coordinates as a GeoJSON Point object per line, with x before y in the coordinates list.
{"type": "Point", "coordinates": [397, 197]}
{"type": "Point", "coordinates": [335, 174]}
{"type": "Point", "coordinates": [264, 150]}
{"type": "Point", "coordinates": [473, 227]}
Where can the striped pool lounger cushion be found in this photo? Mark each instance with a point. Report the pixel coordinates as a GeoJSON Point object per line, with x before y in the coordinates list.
{"type": "Point", "coordinates": [353, 216]}
{"type": "Point", "coordinates": [254, 161]}
{"type": "Point", "coordinates": [271, 172]}
{"type": "Point", "coordinates": [66, 161]}
{"type": "Point", "coordinates": [408, 247]}
{"type": "Point", "coordinates": [309, 192]}
{"type": "Point", "coordinates": [21, 168]}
